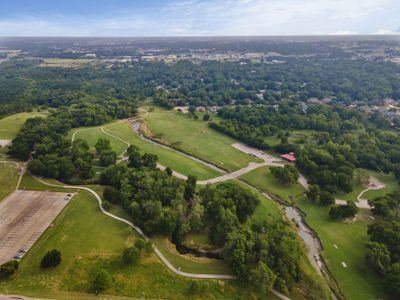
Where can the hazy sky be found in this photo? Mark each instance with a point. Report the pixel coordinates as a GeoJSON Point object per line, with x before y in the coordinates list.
{"type": "Point", "coordinates": [197, 17]}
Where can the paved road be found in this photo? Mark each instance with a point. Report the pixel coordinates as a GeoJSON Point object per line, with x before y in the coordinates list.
{"type": "Point", "coordinates": [140, 232]}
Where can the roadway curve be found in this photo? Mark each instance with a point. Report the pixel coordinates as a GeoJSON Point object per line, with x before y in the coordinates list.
{"type": "Point", "coordinates": [156, 250]}
{"type": "Point", "coordinates": [139, 231]}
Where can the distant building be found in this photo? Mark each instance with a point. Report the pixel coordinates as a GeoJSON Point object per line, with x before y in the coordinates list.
{"type": "Point", "coordinates": [290, 157]}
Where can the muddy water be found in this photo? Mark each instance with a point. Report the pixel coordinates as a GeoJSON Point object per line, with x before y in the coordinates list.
{"type": "Point", "coordinates": [136, 127]}
{"type": "Point", "coordinates": [313, 244]}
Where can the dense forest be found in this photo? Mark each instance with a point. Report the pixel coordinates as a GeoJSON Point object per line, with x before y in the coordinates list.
{"type": "Point", "coordinates": [342, 139]}
{"type": "Point", "coordinates": [25, 84]}
{"type": "Point", "coordinates": [262, 254]}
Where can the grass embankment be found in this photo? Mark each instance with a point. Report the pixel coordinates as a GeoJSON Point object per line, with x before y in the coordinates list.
{"type": "Point", "coordinates": [87, 239]}
{"type": "Point", "coordinates": [345, 243]}
{"type": "Point", "coordinates": [9, 126]}
{"type": "Point", "coordinates": [263, 179]}
{"type": "Point", "coordinates": [8, 178]}
{"type": "Point", "coordinates": [196, 138]}
{"type": "Point", "coordinates": [166, 157]}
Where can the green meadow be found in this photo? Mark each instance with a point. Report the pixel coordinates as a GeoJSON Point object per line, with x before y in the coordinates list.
{"type": "Point", "coordinates": [196, 138]}
{"type": "Point", "coordinates": [9, 126]}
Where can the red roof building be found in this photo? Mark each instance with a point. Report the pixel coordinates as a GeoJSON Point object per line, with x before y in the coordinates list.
{"type": "Point", "coordinates": [290, 157]}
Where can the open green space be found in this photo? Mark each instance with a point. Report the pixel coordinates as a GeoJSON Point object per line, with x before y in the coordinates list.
{"type": "Point", "coordinates": [9, 126]}
{"type": "Point", "coordinates": [263, 179]}
{"type": "Point", "coordinates": [8, 178]}
{"type": "Point", "coordinates": [88, 239]}
{"type": "Point", "coordinates": [196, 138]}
{"type": "Point", "coordinates": [166, 157]}
{"type": "Point", "coordinates": [92, 134]}
{"type": "Point", "coordinates": [391, 185]}
{"type": "Point", "coordinates": [345, 243]}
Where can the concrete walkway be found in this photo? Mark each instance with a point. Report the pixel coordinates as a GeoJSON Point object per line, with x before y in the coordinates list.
{"type": "Point", "coordinates": [373, 184]}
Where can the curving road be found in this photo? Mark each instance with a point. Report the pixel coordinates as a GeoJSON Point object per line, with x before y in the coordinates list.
{"type": "Point", "coordinates": [139, 231]}
{"type": "Point", "coordinates": [156, 250]}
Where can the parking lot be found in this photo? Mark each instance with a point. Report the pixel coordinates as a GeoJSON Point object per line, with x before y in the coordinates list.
{"type": "Point", "coordinates": [24, 216]}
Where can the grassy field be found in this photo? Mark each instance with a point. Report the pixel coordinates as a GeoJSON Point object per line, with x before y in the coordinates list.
{"type": "Point", "coordinates": [9, 126]}
{"type": "Point", "coordinates": [166, 157]}
{"type": "Point", "coordinates": [345, 242]}
{"type": "Point", "coordinates": [196, 138]}
{"type": "Point", "coordinates": [8, 178]}
{"type": "Point", "coordinates": [92, 134]}
{"type": "Point", "coordinates": [88, 239]}
{"type": "Point", "coordinates": [263, 179]}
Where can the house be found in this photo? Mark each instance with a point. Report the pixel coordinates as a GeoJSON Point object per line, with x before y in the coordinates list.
{"type": "Point", "coordinates": [290, 157]}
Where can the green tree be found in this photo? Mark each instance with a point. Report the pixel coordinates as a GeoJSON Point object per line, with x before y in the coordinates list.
{"type": "Point", "coordinates": [51, 259]}
{"type": "Point", "coordinates": [313, 193]}
{"type": "Point", "coordinates": [102, 145]}
{"type": "Point", "coordinates": [285, 175]}
{"type": "Point", "coordinates": [131, 256]}
{"type": "Point", "coordinates": [107, 157]}
{"type": "Point", "coordinates": [262, 278]}
{"type": "Point", "coordinates": [378, 257]}
{"type": "Point", "coordinates": [101, 280]}
{"type": "Point", "coordinates": [8, 269]}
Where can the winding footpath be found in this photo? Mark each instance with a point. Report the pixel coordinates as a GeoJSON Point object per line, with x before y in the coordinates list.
{"type": "Point", "coordinates": [138, 230]}
{"type": "Point", "coordinates": [141, 233]}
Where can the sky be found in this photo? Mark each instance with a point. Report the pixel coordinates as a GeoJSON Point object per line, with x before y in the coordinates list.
{"type": "Point", "coordinates": [197, 17]}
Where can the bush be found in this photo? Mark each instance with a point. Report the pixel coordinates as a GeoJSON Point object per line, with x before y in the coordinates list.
{"type": "Point", "coordinates": [131, 256]}
{"type": "Point", "coordinates": [106, 205]}
{"type": "Point", "coordinates": [343, 211]}
{"type": "Point", "coordinates": [139, 244]}
{"type": "Point", "coordinates": [148, 248]}
{"type": "Point", "coordinates": [8, 269]}
{"type": "Point", "coordinates": [326, 198]}
{"type": "Point", "coordinates": [100, 280]}
{"type": "Point", "coordinates": [111, 194]}
{"type": "Point", "coordinates": [51, 259]}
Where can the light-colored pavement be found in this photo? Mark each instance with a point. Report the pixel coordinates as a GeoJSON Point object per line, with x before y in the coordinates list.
{"type": "Point", "coordinates": [24, 216]}
{"type": "Point", "coordinates": [373, 184]}
{"type": "Point", "coordinates": [4, 143]}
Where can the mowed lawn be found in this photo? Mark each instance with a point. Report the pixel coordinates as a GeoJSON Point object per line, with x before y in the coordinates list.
{"type": "Point", "coordinates": [9, 126]}
{"type": "Point", "coordinates": [166, 157]}
{"type": "Point", "coordinates": [391, 185]}
{"type": "Point", "coordinates": [88, 239]}
{"type": "Point", "coordinates": [263, 179]}
{"type": "Point", "coordinates": [92, 134]}
{"type": "Point", "coordinates": [8, 178]}
{"type": "Point", "coordinates": [345, 243]}
{"type": "Point", "coordinates": [196, 138]}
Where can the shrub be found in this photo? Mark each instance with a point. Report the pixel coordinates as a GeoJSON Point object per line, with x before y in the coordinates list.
{"type": "Point", "coordinates": [131, 256]}
{"type": "Point", "coordinates": [51, 259]}
{"type": "Point", "coordinates": [100, 280]}
{"type": "Point", "coordinates": [8, 269]}
{"type": "Point", "coordinates": [139, 244]}
{"type": "Point", "coordinates": [111, 194]}
{"type": "Point", "coordinates": [148, 248]}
